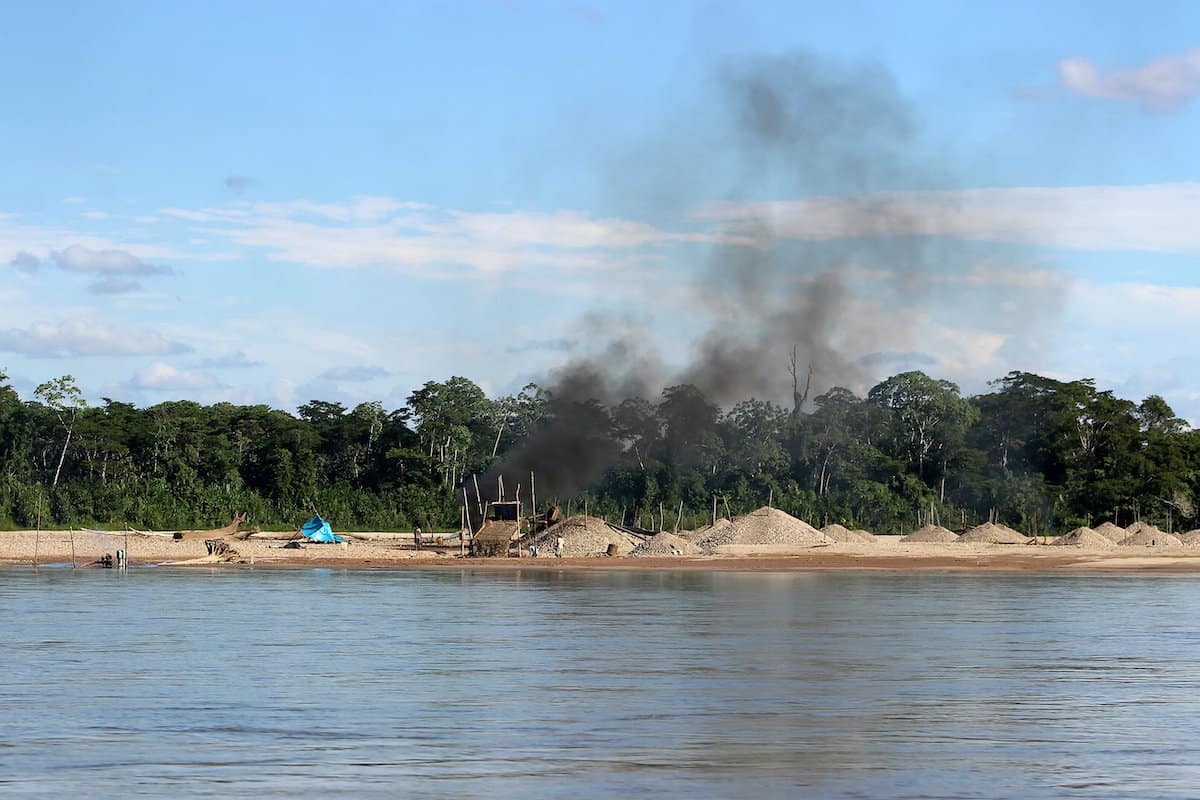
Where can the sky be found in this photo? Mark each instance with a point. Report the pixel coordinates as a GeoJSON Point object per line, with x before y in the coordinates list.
{"type": "Point", "coordinates": [280, 202]}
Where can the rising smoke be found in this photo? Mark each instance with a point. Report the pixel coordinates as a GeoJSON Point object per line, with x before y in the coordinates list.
{"type": "Point", "coordinates": [786, 127]}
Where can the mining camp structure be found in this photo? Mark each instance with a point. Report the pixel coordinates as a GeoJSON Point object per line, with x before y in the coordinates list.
{"type": "Point", "coordinates": [501, 528]}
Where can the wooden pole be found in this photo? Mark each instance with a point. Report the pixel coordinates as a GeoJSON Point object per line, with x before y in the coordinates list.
{"type": "Point", "coordinates": [714, 519]}
{"type": "Point", "coordinates": [478, 497]}
{"type": "Point", "coordinates": [679, 518]}
{"type": "Point", "coordinates": [467, 511]}
{"type": "Point", "coordinates": [500, 488]}
{"type": "Point", "coordinates": [728, 513]}
{"type": "Point", "coordinates": [661, 516]}
{"type": "Point", "coordinates": [532, 504]}
{"type": "Point", "coordinates": [771, 497]}
{"type": "Point", "coordinates": [72, 548]}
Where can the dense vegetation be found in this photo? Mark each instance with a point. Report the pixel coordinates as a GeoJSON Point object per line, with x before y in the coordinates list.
{"type": "Point", "coordinates": [1037, 453]}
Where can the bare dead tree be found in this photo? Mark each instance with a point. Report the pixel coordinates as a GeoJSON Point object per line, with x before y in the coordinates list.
{"type": "Point", "coordinates": [799, 398]}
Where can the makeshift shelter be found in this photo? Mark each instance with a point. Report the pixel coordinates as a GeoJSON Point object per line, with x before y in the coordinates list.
{"type": "Point", "coordinates": [318, 530]}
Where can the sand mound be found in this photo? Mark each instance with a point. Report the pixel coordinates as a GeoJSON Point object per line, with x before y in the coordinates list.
{"type": "Point", "coordinates": [931, 534]}
{"type": "Point", "coordinates": [664, 544]}
{"type": "Point", "coordinates": [1191, 538]}
{"type": "Point", "coordinates": [1139, 526]}
{"type": "Point", "coordinates": [990, 533]}
{"type": "Point", "coordinates": [1150, 536]}
{"type": "Point", "coordinates": [1085, 537]}
{"type": "Point", "coordinates": [584, 536]}
{"type": "Point", "coordinates": [766, 526]}
{"type": "Point", "coordinates": [704, 531]}
{"type": "Point", "coordinates": [840, 533]}
{"type": "Point", "coordinates": [1113, 533]}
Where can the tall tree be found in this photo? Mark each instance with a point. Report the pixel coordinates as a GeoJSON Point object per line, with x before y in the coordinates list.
{"type": "Point", "coordinates": [65, 399]}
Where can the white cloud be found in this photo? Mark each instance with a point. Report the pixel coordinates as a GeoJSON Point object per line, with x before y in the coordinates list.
{"type": "Point", "coordinates": [353, 374]}
{"type": "Point", "coordinates": [413, 237]}
{"type": "Point", "coordinates": [74, 200]}
{"type": "Point", "coordinates": [114, 286]}
{"type": "Point", "coordinates": [1152, 217]}
{"type": "Point", "coordinates": [78, 338]}
{"type": "Point", "coordinates": [96, 214]}
{"type": "Point", "coordinates": [163, 376]}
{"type": "Point", "coordinates": [1161, 84]}
{"type": "Point", "coordinates": [106, 262]}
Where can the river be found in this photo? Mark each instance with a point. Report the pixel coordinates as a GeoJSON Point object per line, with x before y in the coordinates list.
{"type": "Point", "coordinates": [609, 684]}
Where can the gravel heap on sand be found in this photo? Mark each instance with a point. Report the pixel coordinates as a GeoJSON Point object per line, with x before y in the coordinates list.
{"type": "Point", "coordinates": [1085, 537]}
{"type": "Point", "coordinates": [665, 544]}
{"type": "Point", "coordinates": [840, 533]}
{"type": "Point", "coordinates": [766, 526]}
{"type": "Point", "coordinates": [931, 534]}
{"type": "Point", "coordinates": [1113, 533]}
{"type": "Point", "coordinates": [584, 536]}
{"type": "Point", "coordinates": [990, 533]}
{"type": "Point", "coordinates": [1149, 535]}
{"type": "Point", "coordinates": [1191, 538]}
{"type": "Point", "coordinates": [704, 530]}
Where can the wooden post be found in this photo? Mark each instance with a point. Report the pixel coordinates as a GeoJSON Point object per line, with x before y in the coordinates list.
{"type": "Point", "coordinates": [679, 518]}
{"type": "Point", "coordinates": [714, 519]}
{"type": "Point", "coordinates": [72, 548]}
{"type": "Point", "coordinates": [661, 516]}
{"type": "Point", "coordinates": [126, 545]}
{"type": "Point", "coordinates": [585, 505]}
{"type": "Point", "coordinates": [500, 487]}
{"type": "Point", "coordinates": [37, 540]}
{"type": "Point", "coordinates": [622, 516]}
{"type": "Point", "coordinates": [728, 513]}
{"type": "Point", "coordinates": [478, 498]}
{"type": "Point", "coordinates": [770, 497]}
{"type": "Point", "coordinates": [462, 524]}
{"type": "Point", "coordinates": [467, 511]}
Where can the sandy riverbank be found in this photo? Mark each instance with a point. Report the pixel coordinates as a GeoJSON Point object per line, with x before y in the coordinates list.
{"type": "Point", "coordinates": [887, 553]}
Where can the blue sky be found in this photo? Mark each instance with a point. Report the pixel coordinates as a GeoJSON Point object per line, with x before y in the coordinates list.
{"type": "Point", "coordinates": [281, 202]}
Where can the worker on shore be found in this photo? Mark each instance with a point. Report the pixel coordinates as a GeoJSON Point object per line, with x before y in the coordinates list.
{"type": "Point", "coordinates": [417, 537]}
{"type": "Point", "coordinates": [558, 547]}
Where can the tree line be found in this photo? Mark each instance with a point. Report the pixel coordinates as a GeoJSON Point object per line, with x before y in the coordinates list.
{"type": "Point", "coordinates": [1034, 452]}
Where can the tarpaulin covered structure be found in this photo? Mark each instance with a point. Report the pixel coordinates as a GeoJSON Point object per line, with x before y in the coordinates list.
{"type": "Point", "coordinates": [318, 530]}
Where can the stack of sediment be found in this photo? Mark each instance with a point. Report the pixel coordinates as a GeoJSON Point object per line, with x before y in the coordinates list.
{"type": "Point", "coordinates": [840, 533]}
{"type": "Point", "coordinates": [705, 530]}
{"type": "Point", "coordinates": [1191, 538]}
{"type": "Point", "coordinates": [766, 526]}
{"type": "Point", "coordinates": [665, 544]}
{"type": "Point", "coordinates": [1114, 533]}
{"type": "Point", "coordinates": [991, 533]}
{"type": "Point", "coordinates": [1085, 537]}
{"type": "Point", "coordinates": [1150, 536]}
{"type": "Point", "coordinates": [584, 536]}
{"type": "Point", "coordinates": [930, 534]}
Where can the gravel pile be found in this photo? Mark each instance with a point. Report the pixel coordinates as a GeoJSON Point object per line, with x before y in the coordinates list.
{"type": "Point", "coordinates": [1085, 537]}
{"type": "Point", "coordinates": [584, 536]}
{"type": "Point", "coordinates": [931, 534]}
{"type": "Point", "coordinates": [704, 531]}
{"type": "Point", "coordinates": [990, 533]}
{"type": "Point", "coordinates": [1111, 532]}
{"type": "Point", "coordinates": [1150, 536]}
{"type": "Point", "coordinates": [840, 533]}
{"type": "Point", "coordinates": [1191, 538]}
{"type": "Point", "coordinates": [766, 526]}
{"type": "Point", "coordinates": [665, 545]}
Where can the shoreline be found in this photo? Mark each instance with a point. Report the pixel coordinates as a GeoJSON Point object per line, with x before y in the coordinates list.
{"type": "Point", "coordinates": [17, 549]}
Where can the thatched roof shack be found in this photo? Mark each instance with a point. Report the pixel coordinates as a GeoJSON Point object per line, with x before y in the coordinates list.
{"type": "Point", "coordinates": [499, 531]}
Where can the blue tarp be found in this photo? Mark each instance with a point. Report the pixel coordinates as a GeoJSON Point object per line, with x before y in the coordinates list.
{"type": "Point", "coordinates": [318, 530]}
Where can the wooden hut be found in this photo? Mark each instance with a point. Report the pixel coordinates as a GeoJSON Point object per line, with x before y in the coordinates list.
{"type": "Point", "coordinates": [501, 528]}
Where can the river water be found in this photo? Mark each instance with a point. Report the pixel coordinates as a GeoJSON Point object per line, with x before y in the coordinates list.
{"type": "Point", "coordinates": [477, 683]}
